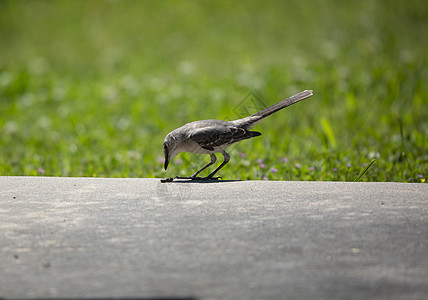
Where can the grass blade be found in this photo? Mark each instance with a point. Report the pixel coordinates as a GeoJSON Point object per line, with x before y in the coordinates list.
{"type": "Point", "coordinates": [363, 172]}
{"type": "Point", "coordinates": [328, 133]}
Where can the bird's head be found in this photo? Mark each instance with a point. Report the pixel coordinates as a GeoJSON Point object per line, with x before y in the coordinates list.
{"type": "Point", "coordinates": [169, 149]}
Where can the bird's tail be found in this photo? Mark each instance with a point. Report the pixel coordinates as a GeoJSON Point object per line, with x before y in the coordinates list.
{"type": "Point", "coordinates": [282, 104]}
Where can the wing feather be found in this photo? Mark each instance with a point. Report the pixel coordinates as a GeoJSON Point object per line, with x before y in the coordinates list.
{"type": "Point", "coordinates": [216, 136]}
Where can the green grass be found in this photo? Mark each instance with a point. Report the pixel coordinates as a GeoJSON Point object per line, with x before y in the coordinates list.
{"type": "Point", "coordinates": [91, 88]}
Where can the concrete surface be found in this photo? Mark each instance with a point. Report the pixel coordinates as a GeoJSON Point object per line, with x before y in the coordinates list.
{"type": "Point", "coordinates": [139, 238]}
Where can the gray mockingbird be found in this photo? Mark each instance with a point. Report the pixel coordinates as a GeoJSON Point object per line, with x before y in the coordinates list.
{"type": "Point", "coordinates": [215, 136]}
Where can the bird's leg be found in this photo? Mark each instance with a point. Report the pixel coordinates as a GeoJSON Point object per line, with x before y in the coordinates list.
{"type": "Point", "coordinates": [213, 160]}
{"type": "Point", "coordinates": [195, 175]}
{"type": "Point", "coordinates": [226, 160]}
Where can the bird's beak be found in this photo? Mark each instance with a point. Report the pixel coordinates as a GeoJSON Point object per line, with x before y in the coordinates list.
{"type": "Point", "coordinates": [166, 159]}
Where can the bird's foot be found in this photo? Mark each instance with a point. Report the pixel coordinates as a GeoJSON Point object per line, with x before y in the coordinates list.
{"type": "Point", "coordinates": [170, 179]}
{"type": "Point", "coordinates": [185, 177]}
{"type": "Point", "coordinates": [208, 178]}
{"type": "Point", "coordinates": [198, 178]}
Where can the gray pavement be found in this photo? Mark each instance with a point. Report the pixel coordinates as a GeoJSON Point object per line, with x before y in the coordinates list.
{"type": "Point", "coordinates": [140, 238]}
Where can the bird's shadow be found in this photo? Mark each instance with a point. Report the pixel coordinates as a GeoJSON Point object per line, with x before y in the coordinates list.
{"type": "Point", "coordinates": [174, 180]}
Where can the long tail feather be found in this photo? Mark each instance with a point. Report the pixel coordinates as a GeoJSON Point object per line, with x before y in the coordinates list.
{"type": "Point", "coordinates": [284, 103]}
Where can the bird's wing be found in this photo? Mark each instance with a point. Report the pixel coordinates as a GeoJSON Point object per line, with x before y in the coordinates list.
{"type": "Point", "coordinates": [215, 136]}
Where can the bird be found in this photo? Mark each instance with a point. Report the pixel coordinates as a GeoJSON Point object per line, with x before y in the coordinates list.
{"type": "Point", "coordinates": [215, 136]}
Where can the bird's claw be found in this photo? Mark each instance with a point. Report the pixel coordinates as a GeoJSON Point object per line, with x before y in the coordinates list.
{"type": "Point", "coordinates": [170, 179]}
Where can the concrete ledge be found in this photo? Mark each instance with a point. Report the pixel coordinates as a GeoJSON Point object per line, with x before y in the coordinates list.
{"type": "Point", "coordinates": [140, 238]}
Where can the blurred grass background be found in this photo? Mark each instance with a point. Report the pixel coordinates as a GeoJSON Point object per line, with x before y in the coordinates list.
{"type": "Point", "coordinates": [91, 88]}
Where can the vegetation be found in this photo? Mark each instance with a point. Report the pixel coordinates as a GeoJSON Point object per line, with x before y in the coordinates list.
{"type": "Point", "coordinates": [91, 88]}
